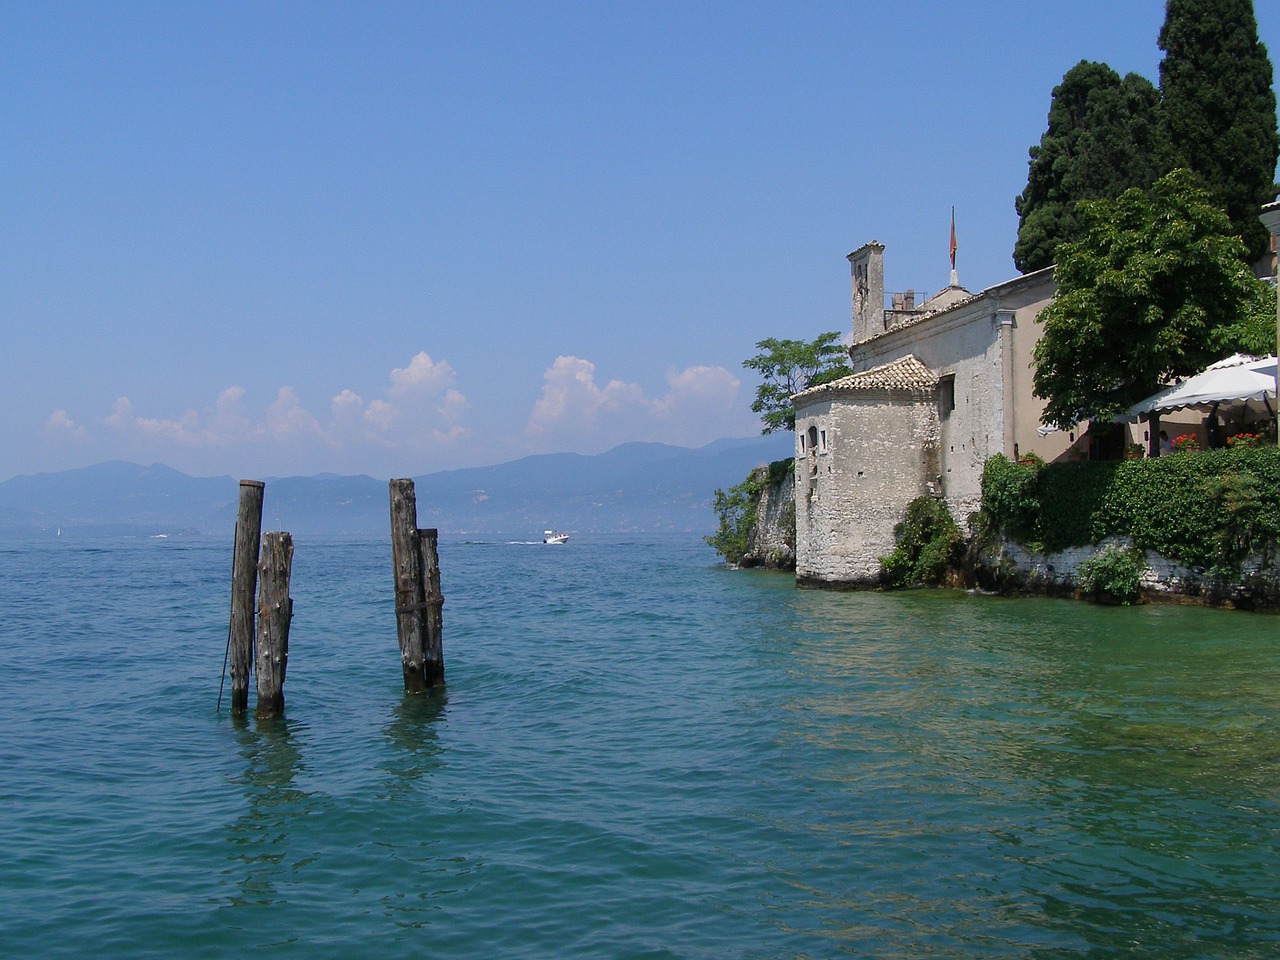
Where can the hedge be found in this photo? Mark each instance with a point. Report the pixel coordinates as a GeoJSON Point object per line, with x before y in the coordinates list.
{"type": "Point", "coordinates": [1204, 510]}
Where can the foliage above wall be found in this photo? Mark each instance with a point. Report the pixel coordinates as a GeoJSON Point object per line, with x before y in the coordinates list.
{"type": "Point", "coordinates": [789, 366]}
{"type": "Point", "coordinates": [1218, 108]}
{"type": "Point", "coordinates": [1102, 139]}
{"type": "Point", "coordinates": [1214, 114]}
{"type": "Point", "coordinates": [1204, 510]}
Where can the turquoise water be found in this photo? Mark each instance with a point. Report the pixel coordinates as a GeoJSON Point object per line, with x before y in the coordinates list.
{"type": "Point", "coordinates": [638, 755]}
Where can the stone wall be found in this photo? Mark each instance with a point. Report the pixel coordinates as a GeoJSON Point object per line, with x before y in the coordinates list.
{"type": "Point", "coordinates": [880, 453]}
{"type": "Point", "coordinates": [771, 542]}
{"type": "Point", "coordinates": [1011, 567]}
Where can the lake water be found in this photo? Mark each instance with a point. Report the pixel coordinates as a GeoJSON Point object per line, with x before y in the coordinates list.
{"type": "Point", "coordinates": [638, 754]}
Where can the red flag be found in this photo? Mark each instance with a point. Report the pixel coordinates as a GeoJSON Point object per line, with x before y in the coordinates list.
{"type": "Point", "coordinates": [953, 238]}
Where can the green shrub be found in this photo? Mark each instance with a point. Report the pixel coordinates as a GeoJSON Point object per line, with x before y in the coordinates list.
{"type": "Point", "coordinates": [736, 510]}
{"type": "Point", "coordinates": [1112, 574]}
{"type": "Point", "coordinates": [1204, 510]}
{"type": "Point", "coordinates": [927, 542]}
{"type": "Point", "coordinates": [780, 471]}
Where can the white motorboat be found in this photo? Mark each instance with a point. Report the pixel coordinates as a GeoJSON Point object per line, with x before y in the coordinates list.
{"type": "Point", "coordinates": [551, 536]}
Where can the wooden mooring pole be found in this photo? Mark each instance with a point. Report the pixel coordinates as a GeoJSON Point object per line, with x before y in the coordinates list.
{"type": "Point", "coordinates": [416, 567]}
{"type": "Point", "coordinates": [429, 564]}
{"type": "Point", "coordinates": [244, 578]}
{"type": "Point", "coordinates": [275, 610]}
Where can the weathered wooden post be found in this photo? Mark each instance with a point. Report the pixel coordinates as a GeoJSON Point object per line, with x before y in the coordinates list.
{"type": "Point", "coordinates": [275, 610]}
{"type": "Point", "coordinates": [432, 645]}
{"type": "Point", "coordinates": [421, 658]}
{"type": "Point", "coordinates": [244, 578]}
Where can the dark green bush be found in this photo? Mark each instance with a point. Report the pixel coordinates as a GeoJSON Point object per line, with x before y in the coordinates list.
{"type": "Point", "coordinates": [1009, 497]}
{"type": "Point", "coordinates": [1112, 574]}
{"type": "Point", "coordinates": [780, 471]}
{"type": "Point", "coordinates": [927, 543]}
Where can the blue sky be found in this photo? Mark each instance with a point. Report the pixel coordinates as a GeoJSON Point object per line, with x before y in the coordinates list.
{"type": "Point", "coordinates": [391, 238]}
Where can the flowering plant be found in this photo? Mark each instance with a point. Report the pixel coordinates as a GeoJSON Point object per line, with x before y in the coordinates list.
{"type": "Point", "coordinates": [1188, 441]}
{"type": "Point", "coordinates": [1241, 440]}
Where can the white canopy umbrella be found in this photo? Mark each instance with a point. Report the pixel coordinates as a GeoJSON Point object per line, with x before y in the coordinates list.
{"type": "Point", "coordinates": [1235, 379]}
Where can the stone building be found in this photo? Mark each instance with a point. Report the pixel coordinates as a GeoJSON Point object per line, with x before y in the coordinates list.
{"type": "Point", "coordinates": [937, 388]}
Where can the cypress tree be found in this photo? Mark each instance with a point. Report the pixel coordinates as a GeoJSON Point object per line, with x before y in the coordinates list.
{"type": "Point", "coordinates": [1218, 108]}
{"type": "Point", "coordinates": [1102, 138]}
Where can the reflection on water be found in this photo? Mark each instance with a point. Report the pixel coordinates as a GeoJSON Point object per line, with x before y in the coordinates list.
{"type": "Point", "coordinates": [260, 839]}
{"type": "Point", "coordinates": [412, 732]}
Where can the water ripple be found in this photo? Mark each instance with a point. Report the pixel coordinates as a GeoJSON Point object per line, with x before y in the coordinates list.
{"type": "Point", "coordinates": [637, 755]}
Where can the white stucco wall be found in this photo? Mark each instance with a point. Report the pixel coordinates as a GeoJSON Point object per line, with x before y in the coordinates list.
{"type": "Point", "coordinates": [985, 344]}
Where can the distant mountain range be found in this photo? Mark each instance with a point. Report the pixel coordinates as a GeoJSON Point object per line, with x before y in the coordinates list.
{"type": "Point", "coordinates": [637, 487]}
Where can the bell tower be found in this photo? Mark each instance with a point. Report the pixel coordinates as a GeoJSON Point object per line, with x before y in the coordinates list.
{"type": "Point", "coordinates": [867, 268]}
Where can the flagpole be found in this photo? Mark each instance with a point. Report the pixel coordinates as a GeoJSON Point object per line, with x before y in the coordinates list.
{"type": "Point", "coordinates": [955, 278]}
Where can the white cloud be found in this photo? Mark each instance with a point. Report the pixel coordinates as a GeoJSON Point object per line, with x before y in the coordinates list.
{"type": "Point", "coordinates": [380, 415]}
{"type": "Point", "coordinates": [184, 429]}
{"type": "Point", "coordinates": [288, 423]}
{"type": "Point", "coordinates": [415, 418]}
{"type": "Point", "coordinates": [422, 376]}
{"type": "Point", "coordinates": [577, 413]}
{"type": "Point", "coordinates": [570, 394]}
{"type": "Point", "coordinates": [62, 426]}
{"type": "Point", "coordinates": [711, 388]}
{"type": "Point", "coordinates": [121, 415]}
{"type": "Point", "coordinates": [347, 409]}
{"type": "Point", "coordinates": [420, 412]}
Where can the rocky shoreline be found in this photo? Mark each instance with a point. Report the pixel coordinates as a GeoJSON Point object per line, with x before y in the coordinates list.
{"type": "Point", "coordinates": [1003, 566]}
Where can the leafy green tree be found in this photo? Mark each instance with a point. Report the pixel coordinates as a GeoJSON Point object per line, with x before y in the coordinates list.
{"type": "Point", "coordinates": [1155, 288]}
{"type": "Point", "coordinates": [1102, 138]}
{"type": "Point", "coordinates": [789, 366]}
{"type": "Point", "coordinates": [1254, 332]}
{"type": "Point", "coordinates": [1219, 109]}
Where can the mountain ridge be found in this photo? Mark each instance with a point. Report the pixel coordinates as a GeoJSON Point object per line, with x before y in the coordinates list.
{"type": "Point", "coordinates": [634, 487]}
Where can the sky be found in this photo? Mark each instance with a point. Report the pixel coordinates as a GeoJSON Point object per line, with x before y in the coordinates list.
{"type": "Point", "coordinates": [272, 238]}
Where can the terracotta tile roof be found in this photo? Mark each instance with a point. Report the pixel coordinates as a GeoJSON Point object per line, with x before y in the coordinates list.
{"type": "Point", "coordinates": [906, 373]}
